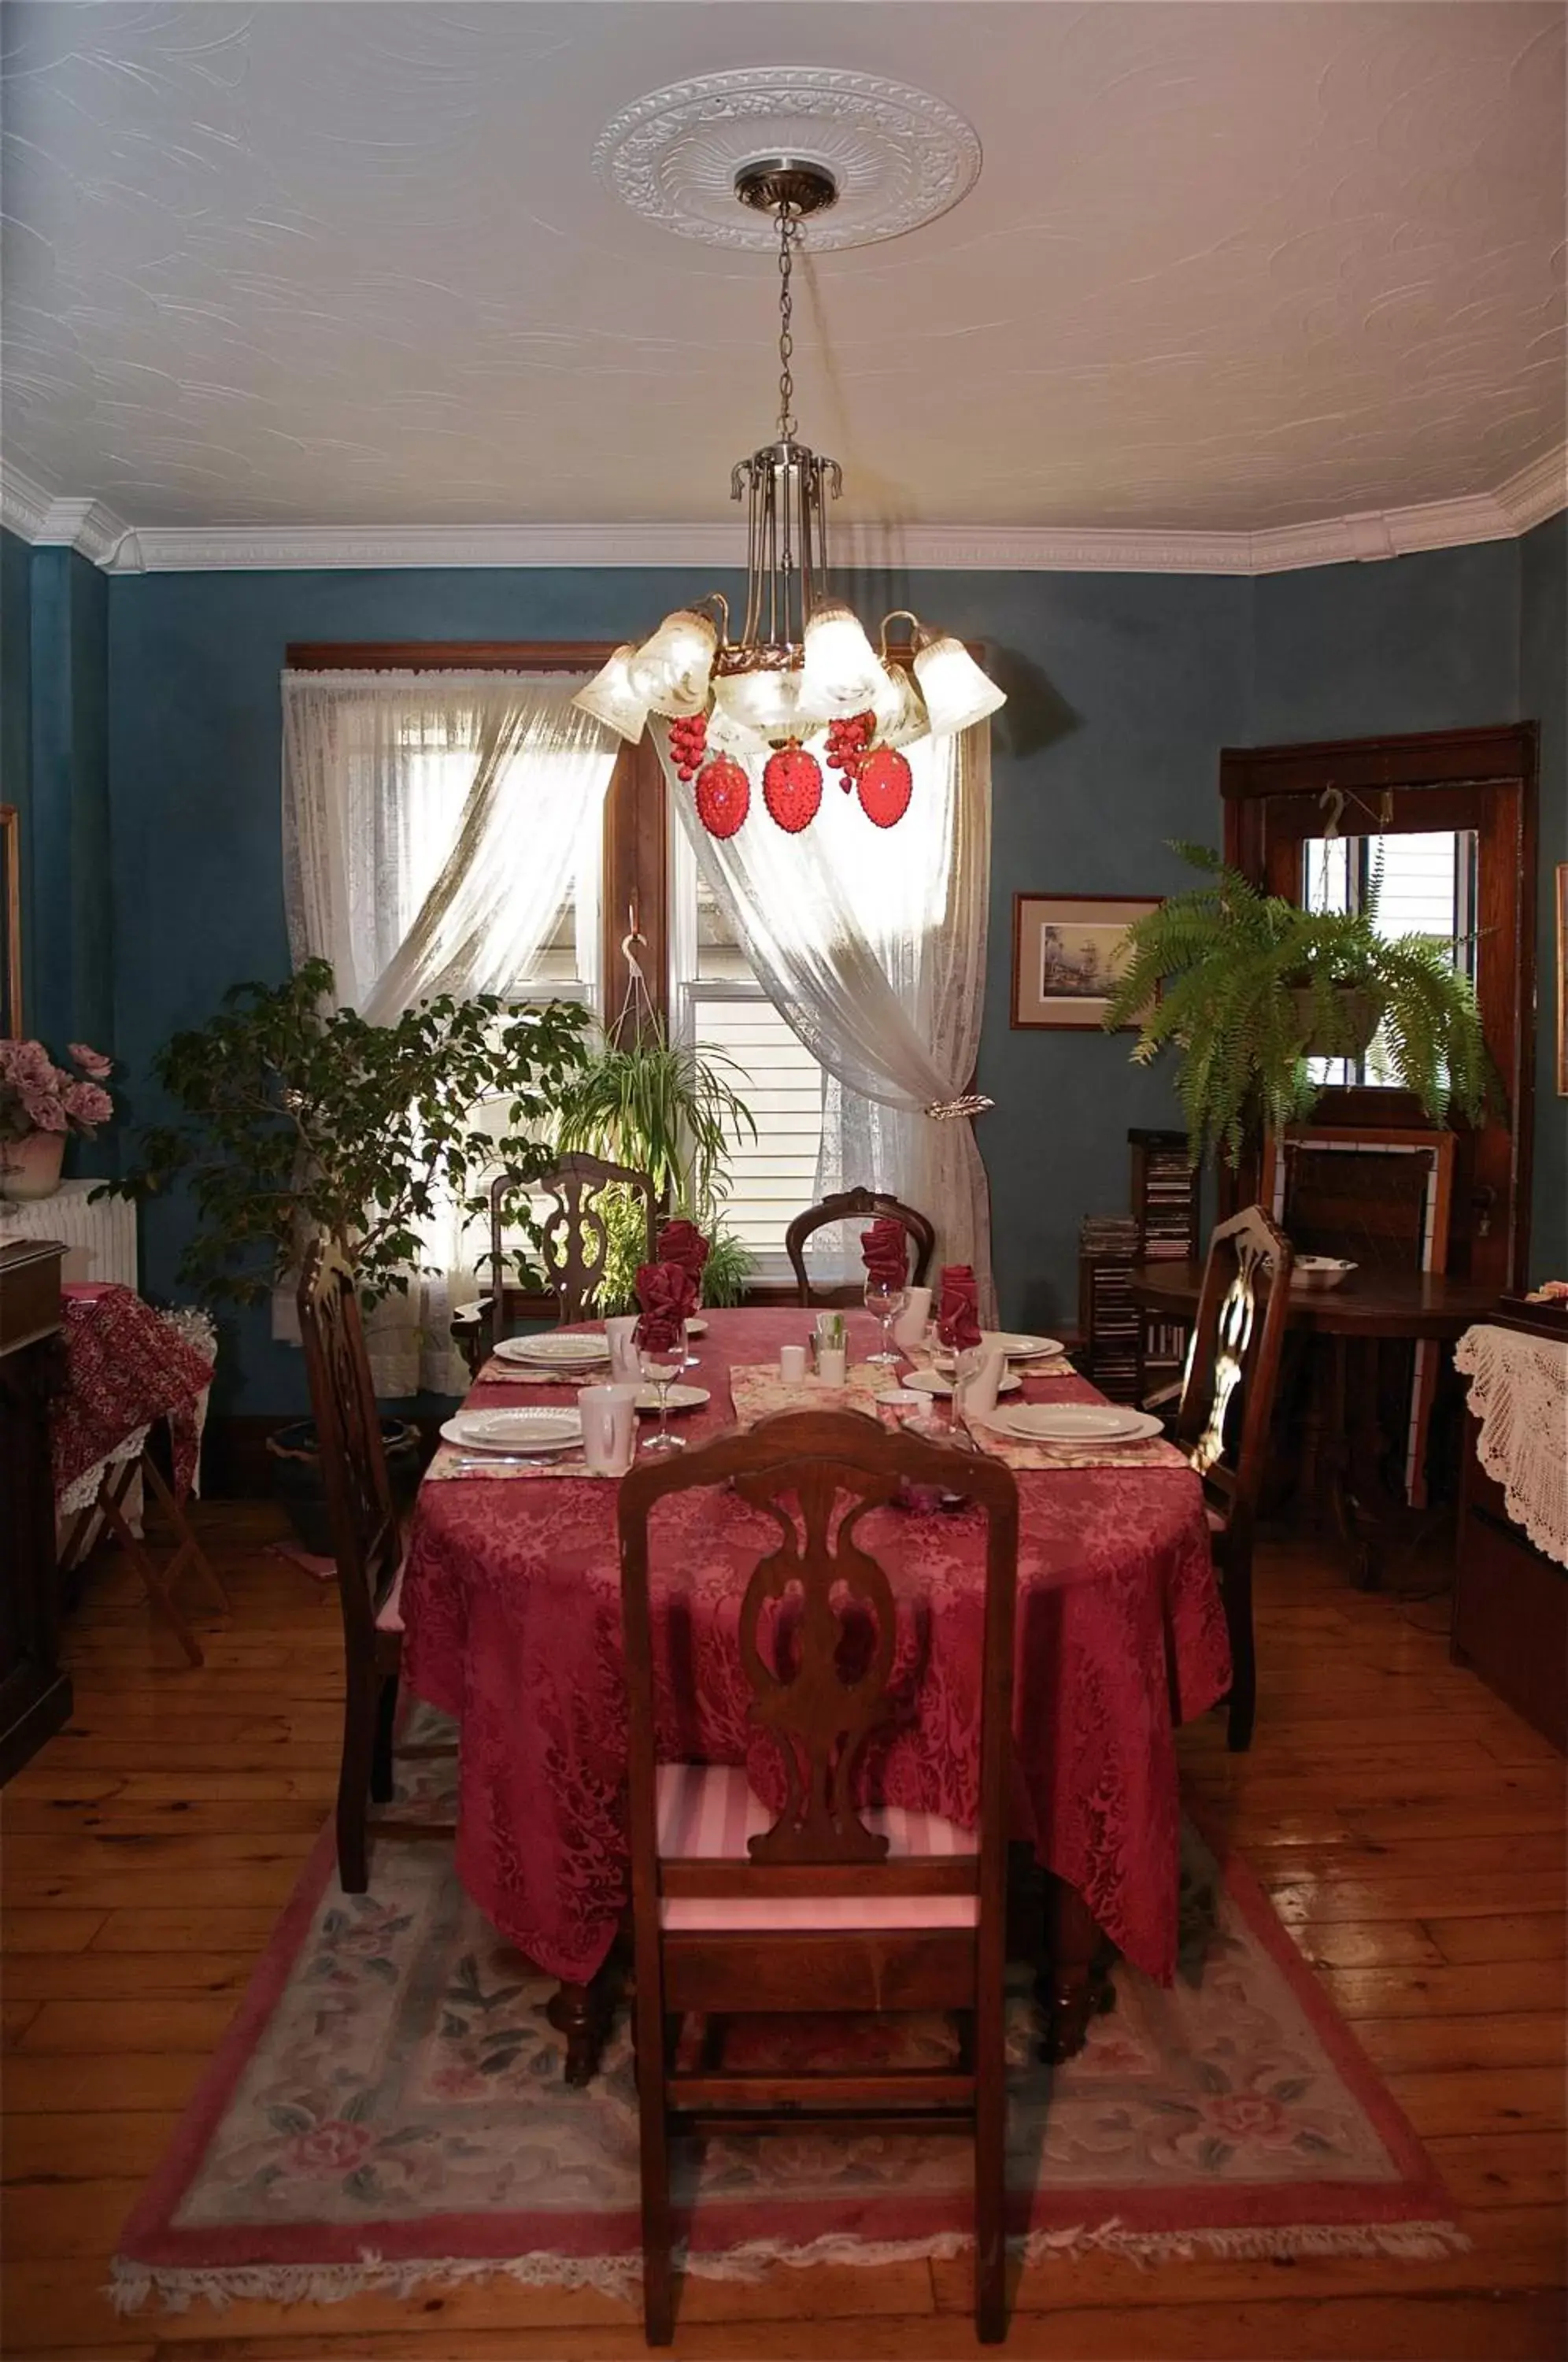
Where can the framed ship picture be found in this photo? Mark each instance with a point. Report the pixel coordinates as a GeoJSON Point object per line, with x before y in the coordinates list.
{"type": "Point", "coordinates": [1068, 952]}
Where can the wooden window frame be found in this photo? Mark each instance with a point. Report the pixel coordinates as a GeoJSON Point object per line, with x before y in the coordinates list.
{"type": "Point", "coordinates": [1271, 798]}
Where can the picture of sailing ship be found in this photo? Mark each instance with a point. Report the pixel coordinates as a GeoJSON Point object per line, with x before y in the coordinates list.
{"type": "Point", "coordinates": [1068, 950]}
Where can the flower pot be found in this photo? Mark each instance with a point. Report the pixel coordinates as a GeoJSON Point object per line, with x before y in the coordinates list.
{"type": "Point", "coordinates": [297, 1478]}
{"type": "Point", "coordinates": [30, 1167]}
{"type": "Point", "coordinates": [1356, 1016]}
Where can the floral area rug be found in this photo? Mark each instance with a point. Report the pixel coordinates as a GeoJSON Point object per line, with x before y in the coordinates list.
{"type": "Point", "coordinates": [388, 2109]}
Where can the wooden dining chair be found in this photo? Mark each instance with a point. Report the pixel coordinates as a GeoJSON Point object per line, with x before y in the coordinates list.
{"type": "Point", "coordinates": [574, 1243]}
{"type": "Point", "coordinates": [1222, 1422]}
{"type": "Point", "coordinates": [874, 1204]}
{"type": "Point", "coordinates": [819, 1907]}
{"type": "Point", "coordinates": [367, 1548]}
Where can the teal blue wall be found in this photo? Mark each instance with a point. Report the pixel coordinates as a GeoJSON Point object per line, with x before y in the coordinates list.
{"type": "Point", "coordinates": [1122, 689]}
{"type": "Point", "coordinates": [1543, 693]}
{"type": "Point", "coordinates": [16, 716]}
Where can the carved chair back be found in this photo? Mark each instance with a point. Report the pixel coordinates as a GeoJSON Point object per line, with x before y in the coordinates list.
{"type": "Point", "coordinates": [817, 1634]}
{"type": "Point", "coordinates": [575, 1238]}
{"type": "Point", "coordinates": [1232, 1366]}
{"type": "Point", "coordinates": [363, 1521]}
{"type": "Point", "coordinates": [846, 1206]}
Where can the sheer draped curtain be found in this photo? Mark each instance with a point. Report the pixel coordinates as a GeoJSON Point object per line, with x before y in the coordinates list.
{"type": "Point", "coordinates": [433, 826]}
{"type": "Point", "coordinates": [871, 944]}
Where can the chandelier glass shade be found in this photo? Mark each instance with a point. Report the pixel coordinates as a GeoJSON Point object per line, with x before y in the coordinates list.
{"type": "Point", "coordinates": [802, 681]}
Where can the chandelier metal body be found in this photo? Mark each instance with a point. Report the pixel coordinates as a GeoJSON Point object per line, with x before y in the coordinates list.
{"type": "Point", "coordinates": [803, 680]}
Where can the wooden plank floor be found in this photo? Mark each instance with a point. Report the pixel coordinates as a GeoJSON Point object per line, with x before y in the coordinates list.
{"type": "Point", "coordinates": [1409, 1828]}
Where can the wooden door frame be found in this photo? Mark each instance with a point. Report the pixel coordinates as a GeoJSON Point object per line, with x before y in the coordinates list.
{"type": "Point", "coordinates": [1283, 784]}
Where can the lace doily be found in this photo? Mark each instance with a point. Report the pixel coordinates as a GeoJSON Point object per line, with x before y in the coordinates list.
{"type": "Point", "coordinates": [1518, 1392]}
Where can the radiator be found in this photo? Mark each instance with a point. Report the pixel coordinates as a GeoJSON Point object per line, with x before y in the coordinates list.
{"type": "Point", "coordinates": [100, 1240]}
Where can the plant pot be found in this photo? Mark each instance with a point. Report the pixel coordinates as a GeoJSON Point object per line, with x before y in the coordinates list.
{"type": "Point", "coordinates": [30, 1167]}
{"type": "Point", "coordinates": [297, 1478]}
{"type": "Point", "coordinates": [1357, 1013]}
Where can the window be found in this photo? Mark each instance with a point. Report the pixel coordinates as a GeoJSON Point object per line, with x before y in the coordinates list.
{"type": "Point", "coordinates": [437, 772]}
{"type": "Point", "coordinates": [1425, 885]}
{"type": "Point", "coordinates": [718, 1002]}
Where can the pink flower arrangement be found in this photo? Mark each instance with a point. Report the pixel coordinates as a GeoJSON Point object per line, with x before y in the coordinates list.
{"type": "Point", "coordinates": [38, 1096]}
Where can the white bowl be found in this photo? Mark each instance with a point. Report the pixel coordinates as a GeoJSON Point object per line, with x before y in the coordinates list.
{"type": "Point", "coordinates": [1319, 1272]}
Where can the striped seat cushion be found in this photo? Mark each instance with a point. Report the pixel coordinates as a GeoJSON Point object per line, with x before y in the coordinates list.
{"type": "Point", "coordinates": [707, 1812]}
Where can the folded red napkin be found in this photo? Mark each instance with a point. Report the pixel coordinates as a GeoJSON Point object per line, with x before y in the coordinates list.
{"type": "Point", "coordinates": [957, 1322]}
{"type": "Point", "coordinates": [668, 1297]}
{"type": "Point", "coordinates": [682, 1242]}
{"type": "Point", "coordinates": [885, 1251]}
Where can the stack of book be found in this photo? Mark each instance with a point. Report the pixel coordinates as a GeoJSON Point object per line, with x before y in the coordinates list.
{"type": "Point", "coordinates": [1164, 1203]}
{"type": "Point", "coordinates": [1108, 1318]}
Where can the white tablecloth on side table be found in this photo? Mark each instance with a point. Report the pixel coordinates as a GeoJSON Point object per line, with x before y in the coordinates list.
{"type": "Point", "coordinates": [1519, 1394]}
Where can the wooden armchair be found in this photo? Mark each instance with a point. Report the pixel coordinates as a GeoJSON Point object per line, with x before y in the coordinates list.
{"type": "Point", "coordinates": [872, 1204]}
{"type": "Point", "coordinates": [572, 1228]}
{"type": "Point", "coordinates": [367, 1548]}
{"type": "Point", "coordinates": [817, 1908]}
{"type": "Point", "coordinates": [1223, 1423]}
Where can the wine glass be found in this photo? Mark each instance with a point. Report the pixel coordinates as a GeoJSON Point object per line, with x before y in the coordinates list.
{"type": "Point", "coordinates": [689, 1361]}
{"type": "Point", "coordinates": [967, 1365]}
{"type": "Point", "coordinates": [885, 1300]}
{"type": "Point", "coordinates": [660, 1369]}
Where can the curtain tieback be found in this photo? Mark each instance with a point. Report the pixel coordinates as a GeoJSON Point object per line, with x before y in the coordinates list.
{"type": "Point", "coordinates": [949, 1111]}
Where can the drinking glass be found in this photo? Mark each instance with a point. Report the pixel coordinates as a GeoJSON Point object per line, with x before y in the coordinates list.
{"type": "Point", "coordinates": [886, 1303]}
{"type": "Point", "coordinates": [660, 1370]}
{"type": "Point", "coordinates": [965, 1365]}
{"type": "Point", "coordinates": [689, 1360]}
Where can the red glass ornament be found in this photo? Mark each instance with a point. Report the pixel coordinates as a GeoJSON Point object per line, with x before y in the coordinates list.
{"type": "Point", "coordinates": [885, 783]}
{"type": "Point", "coordinates": [723, 796]}
{"type": "Point", "coordinates": [792, 788]}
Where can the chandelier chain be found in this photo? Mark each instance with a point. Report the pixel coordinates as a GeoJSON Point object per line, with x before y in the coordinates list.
{"type": "Point", "coordinates": [788, 239]}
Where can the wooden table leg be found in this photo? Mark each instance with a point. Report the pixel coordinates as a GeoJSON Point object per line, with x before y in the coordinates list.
{"type": "Point", "coordinates": [1075, 1983]}
{"type": "Point", "coordinates": [581, 2013]}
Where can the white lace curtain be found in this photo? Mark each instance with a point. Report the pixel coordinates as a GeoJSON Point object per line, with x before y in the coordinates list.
{"type": "Point", "coordinates": [433, 825]}
{"type": "Point", "coordinates": [871, 944]}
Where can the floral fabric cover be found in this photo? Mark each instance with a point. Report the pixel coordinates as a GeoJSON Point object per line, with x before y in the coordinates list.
{"type": "Point", "coordinates": [512, 1614]}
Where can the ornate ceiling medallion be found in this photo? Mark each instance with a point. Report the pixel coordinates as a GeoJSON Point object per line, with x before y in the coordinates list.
{"type": "Point", "coordinates": [897, 156]}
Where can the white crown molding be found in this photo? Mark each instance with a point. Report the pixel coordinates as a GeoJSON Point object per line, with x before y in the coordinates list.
{"type": "Point", "coordinates": [1526, 498]}
{"type": "Point", "coordinates": [49, 521]}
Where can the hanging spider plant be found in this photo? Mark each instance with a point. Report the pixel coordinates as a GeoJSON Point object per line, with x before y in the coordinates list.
{"type": "Point", "coordinates": [669, 1109]}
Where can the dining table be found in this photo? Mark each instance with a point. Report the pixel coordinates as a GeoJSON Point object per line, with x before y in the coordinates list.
{"type": "Point", "coordinates": [512, 1626]}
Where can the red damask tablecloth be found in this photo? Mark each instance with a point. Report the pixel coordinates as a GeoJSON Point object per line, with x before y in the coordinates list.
{"type": "Point", "coordinates": [124, 1367]}
{"type": "Point", "coordinates": [511, 1605]}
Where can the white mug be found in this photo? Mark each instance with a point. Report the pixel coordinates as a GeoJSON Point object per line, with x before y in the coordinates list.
{"type": "Point", "coordinates": [609, 1428]}
{"type": "Point", "coordinates": [625, 1363]}
{"type": "Point", "coordinates": [909, 1328]}
{"type": "Point", "coordinates": [792, 1364]}
{"type": "Point", "coordinates": [833, 1365]}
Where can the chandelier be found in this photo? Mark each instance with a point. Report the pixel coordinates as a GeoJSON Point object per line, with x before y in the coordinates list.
{"type": "Point", "coordinates": [802, 684]}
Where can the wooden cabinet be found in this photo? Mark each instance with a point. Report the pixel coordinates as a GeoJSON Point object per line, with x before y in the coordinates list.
{"type": "Point", "coordinates": [1510, 1605]}
{"type": "Point", "coordinates": [35, 1696]}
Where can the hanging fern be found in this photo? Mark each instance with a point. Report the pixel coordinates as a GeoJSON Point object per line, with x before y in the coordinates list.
{"type": "Point", "coordinates": [1246, 983]}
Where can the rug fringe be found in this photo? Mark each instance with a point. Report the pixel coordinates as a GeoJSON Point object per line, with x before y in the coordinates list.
{"type": "Point", "coordinates": [179, 2286]}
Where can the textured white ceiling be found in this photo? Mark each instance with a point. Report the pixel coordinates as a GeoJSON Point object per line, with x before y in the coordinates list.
{"type": "Point", "coordinates": [1225, 266]}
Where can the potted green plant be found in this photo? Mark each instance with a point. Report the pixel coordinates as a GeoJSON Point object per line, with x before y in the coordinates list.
{"type": "Point", "coordinates": [296, 1117]}
{"type": "Point", "coordinates": [669, 1109]}
{"type": "Point", "coordinates": [1248, 988]}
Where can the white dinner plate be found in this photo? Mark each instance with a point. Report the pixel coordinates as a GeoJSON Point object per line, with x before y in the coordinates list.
{"type": "Point", "coordinates": [698, 1328]}
{"type": "Point", "coordinates": [1020, 1348]}
{"type": "Point", "coordinates": [680, 1397]}
{"type": "Point", "coordinates": [1074, 1423]}
{"type": "Point", "coordinates": [515, 1431]}
{"type": "Point", "coordinates": [566, 1352]}
{"type": "Point", "coordinates": [529, 1366]}
{"type": "Point", "coordinates": [940, 1382]}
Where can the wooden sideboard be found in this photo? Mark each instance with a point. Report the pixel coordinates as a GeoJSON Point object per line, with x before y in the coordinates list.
{"type": "Point", "coordinates": [35, 1696]}
{"type": "Point", "coordinates": [1510, 1602]}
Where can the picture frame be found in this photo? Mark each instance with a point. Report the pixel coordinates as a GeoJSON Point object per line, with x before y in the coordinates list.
{"type": "Point", "coordinates": [1062, 946]}
{"type": "Point", "coordinates": [10, 923]}
{"type": "Point", "coordinates": [1562, 903]}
